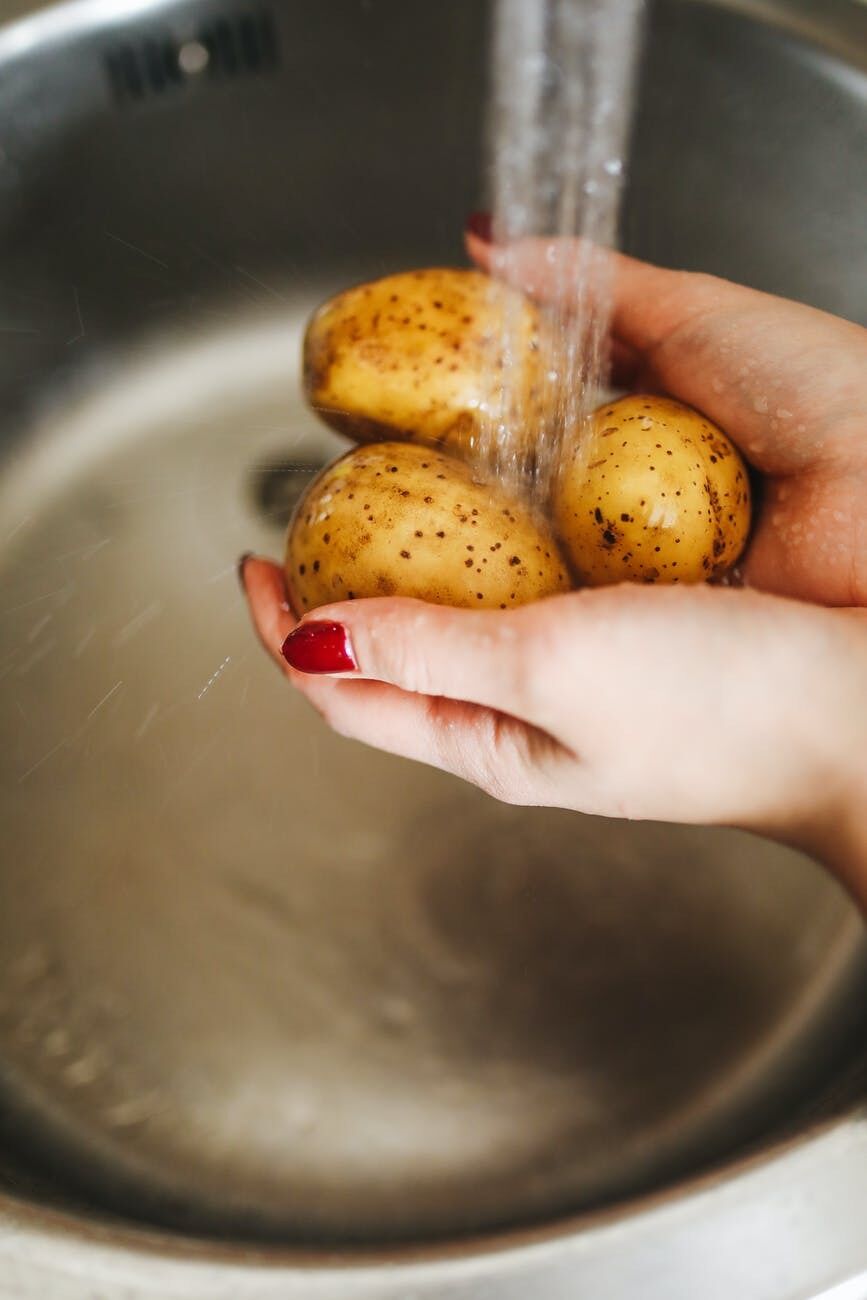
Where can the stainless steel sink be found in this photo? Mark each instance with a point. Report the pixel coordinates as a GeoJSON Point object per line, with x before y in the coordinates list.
{"type": "Point", "coordinates": [280, 1015]}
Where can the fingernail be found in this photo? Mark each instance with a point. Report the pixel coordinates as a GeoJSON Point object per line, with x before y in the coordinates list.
{"type": "Point", "coordinates": [319, 648]}
{"type": "Point", "coordinates": [480, 225]}
{"type": "Point", "coordinates": [241, 566]}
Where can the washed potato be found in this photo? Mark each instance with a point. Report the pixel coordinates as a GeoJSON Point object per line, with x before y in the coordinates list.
{"type": "Point", "coordinates": [398, 519]}
{"type": "Point", "coordinates": [657, 493]}
{"type": "Point", "coordinates": [416, 355]}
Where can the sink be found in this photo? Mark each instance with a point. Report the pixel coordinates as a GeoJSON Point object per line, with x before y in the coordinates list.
{"type": "Point", "coordinates": [280, 1014]}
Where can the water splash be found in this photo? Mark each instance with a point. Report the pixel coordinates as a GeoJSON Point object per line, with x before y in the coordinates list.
{"type": "Point", "coordinates": [560, 107]}
{"type": "Point", "coordinates": [214, 676]}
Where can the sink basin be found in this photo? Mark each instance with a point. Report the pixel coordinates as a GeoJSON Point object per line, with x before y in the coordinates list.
{"type": "Point", "coordinates": [279, 1014]}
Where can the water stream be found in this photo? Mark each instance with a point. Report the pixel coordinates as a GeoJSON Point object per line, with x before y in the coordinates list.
{"type": "Point", "coordinates": [562, 76]}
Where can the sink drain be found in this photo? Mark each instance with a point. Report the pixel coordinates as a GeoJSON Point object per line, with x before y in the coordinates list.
{"type": "Point", "coordinates": [277, 486]}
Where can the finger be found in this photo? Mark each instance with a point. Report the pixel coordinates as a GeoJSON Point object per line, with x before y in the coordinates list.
{"type": "Point", "coordinates": [547, 268]}
{"type": "Point", "coordinates": [265, 589]}
{"type": "Point", "coordinates": [488, 658]}
{"type": "Point", "coordinates": [783, 379]}
{"type": "Point", "coordinates": [499, 754]}
{"type": "Point", "coordinates": [484, 658]}
{"type": "Point", "coordinates": [648, 302]}
{"type": "Point", "coordinates": [502, 756]}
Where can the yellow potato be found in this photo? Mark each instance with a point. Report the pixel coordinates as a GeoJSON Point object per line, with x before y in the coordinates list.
{"type": "Point", "coordinates": [415, 356]}
{"type": "Point", "coordinates": [657, 494]}
{"type": "Point", "coordinates": [399, 519]}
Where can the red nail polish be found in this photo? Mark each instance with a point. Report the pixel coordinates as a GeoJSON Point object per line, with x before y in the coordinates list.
{"type": "Point", "coordinates": [480, 225]}
{"type": "Point", "coordinates": [319, 648]}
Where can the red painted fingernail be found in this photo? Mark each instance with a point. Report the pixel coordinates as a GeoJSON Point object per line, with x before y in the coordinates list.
{"type": "Point", "coordinates": [480, 225]}
{"type": "Point", "coordinates": [319, 648]}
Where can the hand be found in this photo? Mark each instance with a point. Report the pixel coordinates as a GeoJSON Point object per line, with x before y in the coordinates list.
{"type": "Point", "coordinates": [786, 382]}
{"type": "Point", "coordinates": [682, 704]}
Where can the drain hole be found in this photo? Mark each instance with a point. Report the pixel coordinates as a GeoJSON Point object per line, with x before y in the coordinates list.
{"type": "Point", "coordinates": [277, 487]}
{"type": "Point", "coordinates": [240, 45]}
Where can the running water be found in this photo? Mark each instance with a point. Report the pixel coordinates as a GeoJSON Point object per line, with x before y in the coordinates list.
{"type": "Point", "coordinates": [562, 79]}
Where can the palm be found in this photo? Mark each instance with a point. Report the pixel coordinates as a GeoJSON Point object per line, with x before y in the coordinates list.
{"type": "Point", "coordinates": [792, 403]}
{"type": "Point", "coordinates": [786, 382]}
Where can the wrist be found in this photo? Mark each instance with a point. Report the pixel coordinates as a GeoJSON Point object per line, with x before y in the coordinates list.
{"type": "Point", "coordinates": [840, 841]}
{"type": "Point", "coordinates": [823, 811]}
{"type": "Point", "coordinates": [834, 829]}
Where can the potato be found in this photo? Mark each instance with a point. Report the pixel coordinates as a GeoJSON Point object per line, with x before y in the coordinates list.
{"type": "Point", "coordinates": [657, 494]}
{"type": "Point", "coordinates": [412, 356]}
{"type": "Point", "coordinates": [398, 519]}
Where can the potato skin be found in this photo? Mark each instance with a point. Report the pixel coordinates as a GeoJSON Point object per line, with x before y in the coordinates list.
{"type": "Point", "coordinates": [657, 494]}
{"type": "Point", "coordinates": [398, 519]}
{"type": "Point", "coordinates": [411, 357]}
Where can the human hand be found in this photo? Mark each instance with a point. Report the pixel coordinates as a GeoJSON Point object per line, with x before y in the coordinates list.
{"type": "Point", "coordinates": [683, 704]}
{"type": "Point", "coordinates": [786, 382]}
{"type": "Point", "coordinates": [680, 704]}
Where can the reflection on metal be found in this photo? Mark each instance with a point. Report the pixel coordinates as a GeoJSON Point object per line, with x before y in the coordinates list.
{"type": "Point", "coordinates": [193, 58]}
{"type": "Point", "coordinates": [854, 1289]}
